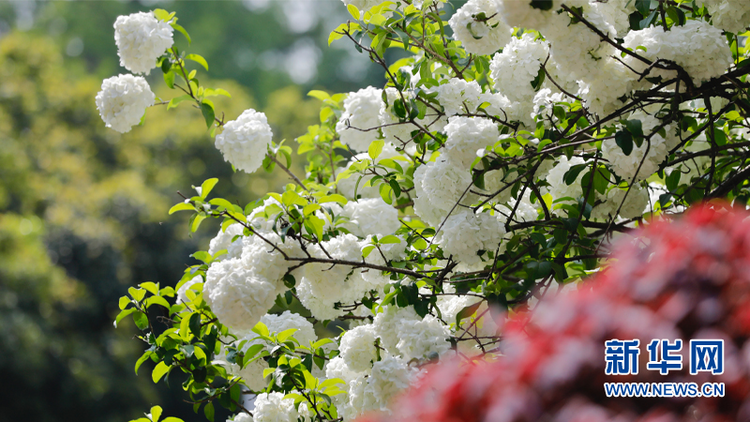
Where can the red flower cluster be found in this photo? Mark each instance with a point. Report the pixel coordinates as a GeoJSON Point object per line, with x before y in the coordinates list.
{"type": "Point", "coordinates": [687, 279]}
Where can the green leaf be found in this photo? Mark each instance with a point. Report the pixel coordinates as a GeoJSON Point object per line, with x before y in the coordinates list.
{"type": "Point", "coordinates": [182, 206]}
{"type": "Point", "coordinates": [207, 185]}
{"type": "Point", "coordinates": [156, 413]}
{"type": "Point", "coordinates": [198, 59]}
{"type": "Point", "coordinates": [720, 137]}
{"type": "Point", "coordinates": [673, 180]}
{"type": "Point", "coordinates": [157, 300]}
{"type": "Point", "coordinates": [261, 329]}
{"type": "Point", "coordinates": [177, 100]}
{"type": "Point", "coordinates": [195, 324]}
{"type": "Point", "coordinates": [140, 361]}
{"type": "Point", "coordinates": [197, 222]}
{"type": "Point", "coordinates": [123, 314]}
{"type": "Point", "coordinates": [390, 239]}
{"type": "Point", "coordinates": [353, 11]}
{"type": "Point", "coordinates": [572, 174]}
{"type": "Point", "coordinates": [634, 127]}
{"type": "Point", "coordinates": [209, 411]}
{"type": "Point", "coordinates": [375, 148]}
{"type": "Point", "coordinates": [150, 287]}
{"type": "Point", "coordinates": [284, 335]}
{"type": "Point", "coordinates": [160, 370]}
{"type": "Point", "coordinates": [538, 269]}
{"type": "Point", "coordinates": [172, 419]}
{"type": "Point", "coordinates": [182, 31]}
{"type": "Point", "coordinates": [251, 353]}
{"type": "Point", "coordinates": [207, 109]}
{"type": "Point", "coordinates": [624, 140]}
{"type": "Point", "coordinates": [137, 294]}
{"type": "Point", "coordinates": [385, 193]}
{"type": "Point", "coordinates": [321, 95]}
{"type": "Point", "coordinates": [169, 79]}
{"type": "Point", "coordinates": [123, 302]}
{"type": "Point", "coordinates": [643, 6]}
{"type": "Point", "coordinates": [162, 15]}
{"type": "Point", "coordinates": [333, 198]}
{"type": "Point", "coordinates": [467, 312]}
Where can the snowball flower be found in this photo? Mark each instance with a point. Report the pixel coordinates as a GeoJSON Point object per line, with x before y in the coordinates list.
{"type": "Point", "coordinates": [241, 417]}
{"type": "Point", "coordinates": [421, 338]}
{"type": "Point", "coordinates": [558, 188]}
{"type": "Point", "coordinates": [182, 291]}
{"type": "Point", "coordinates": [273, 407]}
{"type": "Point", "coordinates": [438, 186]}
{"type": "Point", "coordinates": [389, 377]}
{"type": "Point", "coordinates": [644, 159]}
{"type": "Point", "coordinates": [730, 15]}
{"type": "Point", "coordinates": [305, 333]}
{"type": "Point", "coordinates": [323, 285]}
{"type": "Point", "coordinates": [466, 135]}
{"type": "Point", "coordinates": [458, 96]}
{"type": "Point", "coordinates": [698, 47]}
{"type": "Point", "coordinates": [238, 297]}
{"type": "Point", "coordinates": [522, 14]}
{"type": "Point", "coordinates": [225, 240]}
{"type": "Point", "coordinates": [244, 141]}
{"type": "Point", "coordinates": [357, 348]}
{"type": "Point", "coordinates": [123, 100]}
{"type": "Point", "coordinates": [141, 39]}
{"type": "Point", "coordinates": [479, 27]}
{"type": "Point", "coordinates": [371, 216]}
{"type": "Point", "coordinates": [465, 233]}
{"type": "Point", "coordinates": [359, 123]}
{"type": "Point", "coordinates": [633, 206]}
{"type": "Point", "coordinates": [265, 261]}
{"type": "Point", "coordinates": [385, 325]}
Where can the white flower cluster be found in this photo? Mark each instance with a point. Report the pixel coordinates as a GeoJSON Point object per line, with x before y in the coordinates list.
{"type": "Point", "coordinates": [464, 234]}
{"type": "Point", "coordinates": [522, 14]}
{"type": "Point", "coordinates": [439, 185]}
{"type": "Point", "coordinates": [357, 347]}
{"type": "Point", "coordinates": [458, 96]}
{"type": "Point", "coordinates": [237, 295]}
{"type": "Point", "coordinates": [227, 240]}
{"type": "Point", "coordinates": [252, 374]}
{"type": "Point", "coordinates": [697, 47]}
{"type": "Point", "coordinates": [359, 123]}
{"type": "Point", "coordinates": [514, 70]}
{"type": "Point", "coordinates": [474, 330]}
{"type": "Point", "coordinates": [631, 206]}
{"type": "Point", "coordinates": [273, 407]}
{"type": "Point", "coordinates": [370, 392]}
{"type": "Point", "coordinates": [556, 179]}
{"type": "Point", "coordinates": [266, 260]}
{"type": "Point", "coordinates": [324, 285]}
{"type": "Point", "coordinates": [141, 39]}
{"type": "Point", "coordinates": [370, 216]}
{"type": "Point", "coordinates": [731, 16]}
{"type": "Point", "coordinates": [467, 135]}
{"type": "Point", "coordinates": [123, 100]}
{"type": "Point", "coordinates": [244, 141]}
{"type": "Point", "coordinates": [478, 26]}
{"type": "Point", "coordinates": [651, 152]}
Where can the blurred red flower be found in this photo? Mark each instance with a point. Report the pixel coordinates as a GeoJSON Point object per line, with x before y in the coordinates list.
{"type": "Point", "coordinates": [683, 279]}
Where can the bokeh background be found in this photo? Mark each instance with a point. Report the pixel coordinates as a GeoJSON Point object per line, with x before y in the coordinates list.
{"type": "Point", "coordinates": [83, 209]}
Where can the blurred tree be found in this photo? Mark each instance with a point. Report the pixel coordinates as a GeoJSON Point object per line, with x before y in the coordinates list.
{"type": "Point", "coordinates": [271, 43]}
{"type": "Point", "coordinates": [83, 216]}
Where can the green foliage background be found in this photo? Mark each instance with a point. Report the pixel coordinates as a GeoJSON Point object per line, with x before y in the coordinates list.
{"type": "Point", "coordinates": [83, 208]}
